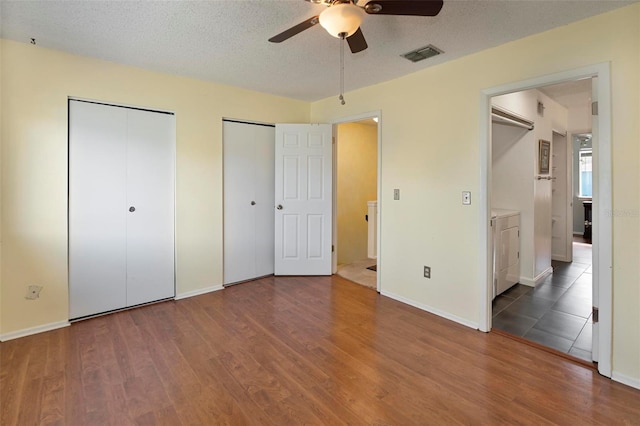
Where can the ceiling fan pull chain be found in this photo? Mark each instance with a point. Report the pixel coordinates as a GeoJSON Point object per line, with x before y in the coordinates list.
{"type": "Point", "coordinates": [341, 97]}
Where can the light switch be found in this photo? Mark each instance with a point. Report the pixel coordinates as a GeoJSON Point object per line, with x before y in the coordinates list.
{"type": "Point", "coordinates": [396, 194]}
{"type": "Point", "coordinates": [466, 197]}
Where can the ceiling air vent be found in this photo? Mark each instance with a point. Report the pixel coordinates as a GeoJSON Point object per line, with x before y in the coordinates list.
{"type": "Point", "coordinates": [422, 53]}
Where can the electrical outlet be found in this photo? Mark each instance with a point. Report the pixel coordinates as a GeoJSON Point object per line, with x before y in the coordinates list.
{"type": "Point", "coordinates": [466, 197]}
{"type": "Point", "coordinates": [33, 292]}
{"type": "Point", "coordinates": [427, 271]}
{"type": "Point", "coordinates": [396, 194]}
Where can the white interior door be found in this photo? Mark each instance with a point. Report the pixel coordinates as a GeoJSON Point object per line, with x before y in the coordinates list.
{"type": "Point", "coordinates": [239, 213]}
{"type": "Point", "coordinates": [97, 208]}
{"type": "Point", "coordinates": [264, 195]}
{"type": "Point", "coordinates": [150, 194]}
{"type": "Point", "coordinates": [303, 198]}
{"type": "Point", "coordinates": [561, 235]}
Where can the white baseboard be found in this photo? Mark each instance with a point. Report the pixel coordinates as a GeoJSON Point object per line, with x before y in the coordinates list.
{"type": "Point", "coordinates": [532, 282]}
{"type": "Point", "coordinates": [430, 309]}
{"type": "Point", "coordinates": [544, 275]}
{"type": "Point", "coordinates": [33, 330]}
{"type": "Point", "coordinates": [626, 380]}
{"type": "Point", "coordinates": [527, 281]}
{"type": "Point", "coordinates": [198, 292]}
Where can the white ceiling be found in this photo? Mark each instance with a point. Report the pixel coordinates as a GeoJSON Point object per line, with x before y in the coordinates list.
{"type": "Point", "coordinates": [225, 41]}
{"type": "Point", "coordinates": [570, 94]}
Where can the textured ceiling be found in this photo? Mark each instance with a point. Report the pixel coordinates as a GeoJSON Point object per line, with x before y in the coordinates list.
{"type": "Point", "coordinates": [226, 40]}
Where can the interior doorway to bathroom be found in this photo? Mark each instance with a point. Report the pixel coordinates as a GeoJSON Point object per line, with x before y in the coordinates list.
{"type": "Point", "coordinates": [356, 200]}
{"type": "Point", "coordinates": [536, 172]}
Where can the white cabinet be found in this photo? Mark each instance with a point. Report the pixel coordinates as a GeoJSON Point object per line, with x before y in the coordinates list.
{"type": "Point", "coordinates": [121, 207]}
{"type": "Point", "coordinates": [372, 229]}
{"type": "Point", "coordinates": [506, 249]}
{"type": "Point", "coordinates": [248, 201]}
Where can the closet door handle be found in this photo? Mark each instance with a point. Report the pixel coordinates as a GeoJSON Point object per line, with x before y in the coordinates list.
{"type": "Point", "coordinates": [253, 203]}
{"type": "Point", "coordinates": [279, 207]}
{"type": "Point", "coordinates": [132, 209]}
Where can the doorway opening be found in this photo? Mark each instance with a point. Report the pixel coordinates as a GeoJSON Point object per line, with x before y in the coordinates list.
{"type": "Point", "coordinates": [356, 183]}
{"type": "Point", "coordinates": [548, 297]}
{"type": "Point", "coordinates": [550, 301]}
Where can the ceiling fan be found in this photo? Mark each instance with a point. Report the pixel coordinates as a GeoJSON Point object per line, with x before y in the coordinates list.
{"type": "Point", "coordinates": [342, 18]}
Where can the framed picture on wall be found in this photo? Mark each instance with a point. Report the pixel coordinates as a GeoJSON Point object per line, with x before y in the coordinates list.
{"type": "Point", "coordinates": [544, 157]}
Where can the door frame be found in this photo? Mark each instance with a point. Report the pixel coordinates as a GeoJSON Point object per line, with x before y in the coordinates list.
{"type": "Point", "coordinates": [602, 220]}
{"type": "Point", "coordinates": [350, 119]}
{"type": "Point", "coordinates": [568, 201]}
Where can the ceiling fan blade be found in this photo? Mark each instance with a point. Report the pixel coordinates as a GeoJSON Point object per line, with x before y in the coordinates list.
{"type": "Point", "coordinates": [356, 41]}
{"type": "Point", "coordinates": [294, 30]}
{"type": "Point", "coordinates": [404, 7]}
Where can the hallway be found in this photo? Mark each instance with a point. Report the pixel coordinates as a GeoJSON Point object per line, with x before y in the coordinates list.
{"type": "Point", "coordinates": [556, 313]}
{"type": "Point", "coordinates": [360, 272]}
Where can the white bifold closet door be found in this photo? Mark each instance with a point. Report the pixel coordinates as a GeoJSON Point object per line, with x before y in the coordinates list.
{"type": "Point", "coordinates": [248, 201]}
{"type": "Point", "coordinates": [121, 207]}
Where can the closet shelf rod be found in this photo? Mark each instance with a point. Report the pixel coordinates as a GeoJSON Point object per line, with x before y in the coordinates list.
{"type": "Point", "coordinates": [510, 118]}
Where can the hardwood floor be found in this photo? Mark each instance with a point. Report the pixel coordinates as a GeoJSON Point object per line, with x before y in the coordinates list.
{"type": "Point", "coordinates": [294, 350]}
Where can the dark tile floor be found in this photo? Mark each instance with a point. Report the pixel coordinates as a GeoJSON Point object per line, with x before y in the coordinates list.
{"type": "Point", "coordinates": [557, 312]}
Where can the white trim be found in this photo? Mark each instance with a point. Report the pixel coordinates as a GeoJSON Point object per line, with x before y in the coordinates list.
{"type": "Point", "coordinates": [602, 260]}
{"type": "Point", "coordinates": [358, 117]}
{"type": "Point", "coordinates": [432, 310]}
{"type": "Point", "coordinates": [198, 292]}
{"type": "Point", "coordinates": [33, 330]}
{"type": "Point", "coordinates": [351, 119]}
{"type": "Point", "coordinates": [538, 279]}
{"type": "Point", "coordinates": [485, 267]}
{"type": "Point", "coordinates": [121, 105]}
{"type": "Point", "coordinates": [625, 380]}
{"type": "Point", "coordinates": [602, 228]}
{"type": "Point", "coordinates": [527, 281]}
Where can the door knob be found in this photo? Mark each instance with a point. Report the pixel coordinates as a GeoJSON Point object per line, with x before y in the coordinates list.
{"type": "Point", "coordinates": [279, 207]}
{"type": "Point", "coordinates": [253, 203]}
{"type": "Point", "coordinates": [132, 209]}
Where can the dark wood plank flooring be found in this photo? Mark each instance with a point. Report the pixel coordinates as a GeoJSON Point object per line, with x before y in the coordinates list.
{"type": "Point", "coordinates": [283, 351]}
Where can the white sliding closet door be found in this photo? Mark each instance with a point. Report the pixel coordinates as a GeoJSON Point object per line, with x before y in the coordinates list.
{"type": "Point", "coordinates": [121, 207]}
{"type": "Point", "coordinates": [248, 201]}
{"type": "Point", "coordinates": [97, 209]}
{"type": "Point", "coordinates": [150, 190]}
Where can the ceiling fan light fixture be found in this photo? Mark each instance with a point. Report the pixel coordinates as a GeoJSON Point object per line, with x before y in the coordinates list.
{"type": "Point", "coordinates": [342, 20]}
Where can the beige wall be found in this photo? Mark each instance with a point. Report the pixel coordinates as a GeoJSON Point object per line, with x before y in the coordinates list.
{"type": "Point", "coordinates": [1, 175]}
{"type": "Point", "coordinates": [357, 163]}
{"type": "Point", "coordinates": [430, 150]}
{"type": "Point", "coordinates": [35, 85]}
